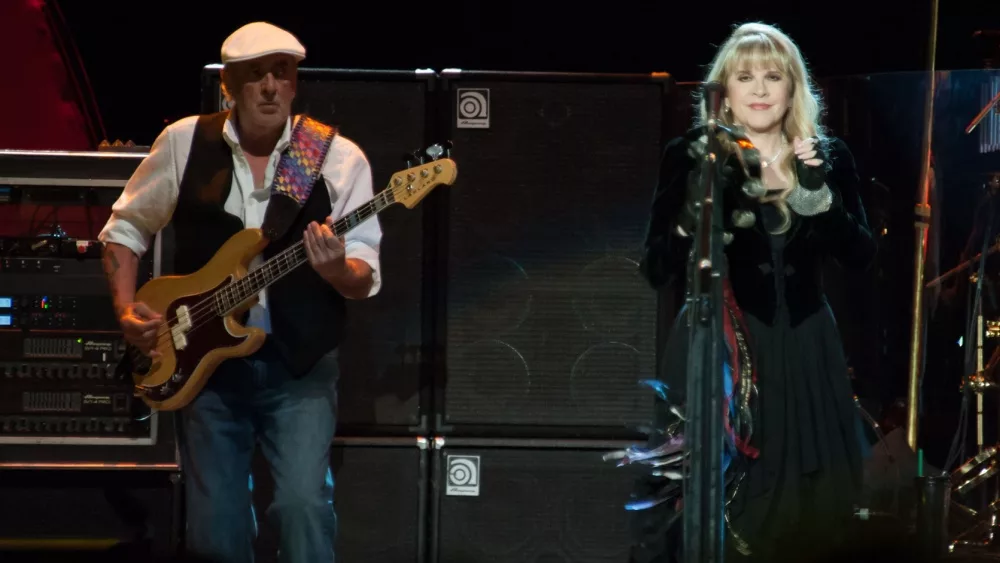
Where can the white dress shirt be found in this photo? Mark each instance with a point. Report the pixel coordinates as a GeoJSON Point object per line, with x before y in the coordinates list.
{"type": "Point", "coordinates": [150, 196]}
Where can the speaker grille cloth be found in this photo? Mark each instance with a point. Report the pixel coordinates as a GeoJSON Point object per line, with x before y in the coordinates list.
{"type": "Point", "coordinates": [548, 319]}
{"type": "Point", "coordinates": [537, 506]}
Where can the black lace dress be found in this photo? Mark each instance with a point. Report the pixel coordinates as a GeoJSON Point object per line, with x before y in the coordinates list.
{"type": "Point", "coordinates": [798, 496]}
{"type": "Point", "coordinates": [800, 493]}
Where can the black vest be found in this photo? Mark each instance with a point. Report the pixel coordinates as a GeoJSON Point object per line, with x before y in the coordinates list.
{"type": "Point", "coordinates": [307, 313]}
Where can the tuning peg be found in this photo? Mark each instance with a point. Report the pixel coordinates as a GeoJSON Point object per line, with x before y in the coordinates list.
{"type": "Point", "coordinates": [435, 151]}
{"type": "Point", "coordinates": [438, 150]}
{"type": "Point", "coordinates": [413, 158]}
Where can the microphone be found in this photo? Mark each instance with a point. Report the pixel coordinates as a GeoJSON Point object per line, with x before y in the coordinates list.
{"type": "Point", "coordinates": [712, 93]}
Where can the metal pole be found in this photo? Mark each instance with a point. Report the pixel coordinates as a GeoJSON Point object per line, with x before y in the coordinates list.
{"type": "Point", "coordinates": [704, 489]}
{"type": "Point", "coordinates": [922, 212]}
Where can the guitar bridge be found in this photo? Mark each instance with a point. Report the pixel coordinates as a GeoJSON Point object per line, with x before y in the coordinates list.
{"type": "Point", "coordinates": [180, 329]}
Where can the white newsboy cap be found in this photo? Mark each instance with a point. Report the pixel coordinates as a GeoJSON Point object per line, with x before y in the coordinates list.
{"type": "Point", "coordinates": [258, 39]}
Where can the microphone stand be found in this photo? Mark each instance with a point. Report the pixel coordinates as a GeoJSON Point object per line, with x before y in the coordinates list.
{"type": "Point", "coordinates": [704, 495]}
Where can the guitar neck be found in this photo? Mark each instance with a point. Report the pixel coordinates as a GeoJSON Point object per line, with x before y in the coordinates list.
{"type": "Point", "coordinates": [278, 266]}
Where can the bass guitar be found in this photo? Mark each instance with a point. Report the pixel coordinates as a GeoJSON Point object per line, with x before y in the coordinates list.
{"type": "Point", "coordinates": [200, 310]}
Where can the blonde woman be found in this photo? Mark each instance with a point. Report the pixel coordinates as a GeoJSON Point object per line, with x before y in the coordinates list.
{"type": "Point", "coordinates": [795, 442]}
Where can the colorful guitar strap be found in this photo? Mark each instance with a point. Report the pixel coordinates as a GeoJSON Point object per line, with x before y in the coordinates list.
{"type": "Point", "coordinates": [298, 170]}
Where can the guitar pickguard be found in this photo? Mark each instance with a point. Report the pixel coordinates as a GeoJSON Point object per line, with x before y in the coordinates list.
{"type": "Point", "coordinates": [166, 390]}
{"type": "Point", "coordinates": [196, 329]}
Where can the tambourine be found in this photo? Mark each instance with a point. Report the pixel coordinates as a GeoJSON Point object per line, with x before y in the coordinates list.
{"type": "Point", "coordinates": [748, 157]}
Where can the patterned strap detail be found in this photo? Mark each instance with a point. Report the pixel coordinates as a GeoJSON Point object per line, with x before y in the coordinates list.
{"type": "Point", "coordinates": [302, 163]}
{"type": "Point", "coordinates": [737, 419]}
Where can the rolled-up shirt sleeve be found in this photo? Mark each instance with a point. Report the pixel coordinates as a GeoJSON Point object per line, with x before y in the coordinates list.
{"type": "Point", "coordinates": [148, 200]}
{"type": "Point", "coordinates": [363, 242]}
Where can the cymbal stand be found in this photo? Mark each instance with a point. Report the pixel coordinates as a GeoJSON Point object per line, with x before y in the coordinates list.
{"type": "Point", "coordinates": [986, 463]}
{"type": "Point", "coordinates": [980, 469]}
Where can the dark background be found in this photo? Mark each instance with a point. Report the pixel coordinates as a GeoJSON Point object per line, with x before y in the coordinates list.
{"type": "Point", "coordinates": [143, 59]}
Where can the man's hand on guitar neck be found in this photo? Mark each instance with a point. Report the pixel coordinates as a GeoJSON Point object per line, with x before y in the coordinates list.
{"type": "Point", "coordinates": [327, 255]}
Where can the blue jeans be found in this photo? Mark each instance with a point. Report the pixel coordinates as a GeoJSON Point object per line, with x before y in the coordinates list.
{"type": "Point", "coordinates": [255, 400]}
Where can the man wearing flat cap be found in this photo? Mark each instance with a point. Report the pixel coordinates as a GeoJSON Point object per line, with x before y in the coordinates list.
{"type": "Point", "coordinates": [256, 166]}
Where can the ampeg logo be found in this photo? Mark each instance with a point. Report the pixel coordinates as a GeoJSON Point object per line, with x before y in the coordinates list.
{"type": "Point", "coordinates": [463, 476]}
{"type": "Point", "coordinates": [473, 108]}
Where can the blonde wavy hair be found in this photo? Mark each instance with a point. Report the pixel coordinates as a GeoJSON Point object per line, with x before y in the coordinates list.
{"type": "Point", "coordinates": [757, 45]}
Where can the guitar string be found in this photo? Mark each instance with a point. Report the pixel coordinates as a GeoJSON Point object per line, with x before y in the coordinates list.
{"type": "Point", "coordinates": [284, 263]}
{"type": "Point", "coordinates": [199, 309]}
{"type": "Point", "coordinates": [238, 287]}
{"type": "Point", "coordinates": [283, 260]}
{"type": "Point", "coordinates": [201, 314]}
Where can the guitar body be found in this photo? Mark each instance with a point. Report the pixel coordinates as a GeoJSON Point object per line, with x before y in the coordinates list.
{"type": "Point", "coordinates": [195, 338]}
{"type": "Point", "coordinates": [200, 309]}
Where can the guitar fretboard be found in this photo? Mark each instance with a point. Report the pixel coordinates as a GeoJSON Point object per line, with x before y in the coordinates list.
{"type": "Point", "coordinates": [234, 294]}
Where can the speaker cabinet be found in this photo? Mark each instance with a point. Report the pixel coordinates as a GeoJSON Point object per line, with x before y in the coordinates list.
{"type": "Point", "coordinates": [547, 323]}
{"type": "Point", "coordinates": [380, 494]}
{"type": "Point", "coordinates": [506, 501]}
{"type": "Point", "coordinates": [385, 113]}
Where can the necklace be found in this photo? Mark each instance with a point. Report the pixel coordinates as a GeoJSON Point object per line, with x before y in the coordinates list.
{"type": "Point", "coordinates": [773, 159]}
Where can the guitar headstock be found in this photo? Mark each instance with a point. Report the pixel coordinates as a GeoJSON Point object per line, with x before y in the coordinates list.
{"type": "Point", "coordinates": [413, 184]}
